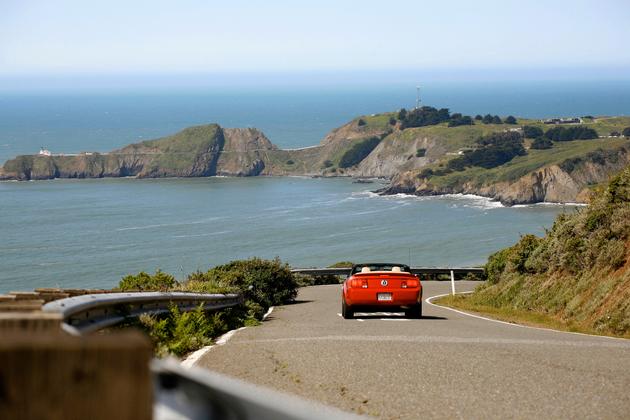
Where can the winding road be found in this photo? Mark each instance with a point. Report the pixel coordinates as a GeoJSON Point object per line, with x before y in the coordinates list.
{"type": "Point", "coordinates": [446, 365]}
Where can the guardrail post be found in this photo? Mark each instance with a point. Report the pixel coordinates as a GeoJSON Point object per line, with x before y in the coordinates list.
{"type": "Point", "coordinates": [452, 283]}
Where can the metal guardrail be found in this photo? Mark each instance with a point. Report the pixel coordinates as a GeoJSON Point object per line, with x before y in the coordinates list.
{"type": "Point", "coordinates": [415, 270]}
{"type": "Point", "coordinates": [203, 394]}
{"type": "Point", "coordinates": [87, 313]}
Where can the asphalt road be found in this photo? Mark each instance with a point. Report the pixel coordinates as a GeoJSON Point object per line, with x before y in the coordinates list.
{"type": "Point", "coordinates": [446, 365]}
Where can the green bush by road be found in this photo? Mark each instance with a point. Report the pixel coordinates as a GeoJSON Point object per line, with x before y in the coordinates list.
{"type": "Point", "coordinates": [263, 283]}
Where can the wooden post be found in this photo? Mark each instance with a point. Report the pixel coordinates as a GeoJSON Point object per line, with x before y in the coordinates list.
{"type": "Point", "coordinates": [56, 376]}
{"type": "Point", "coordinates": [34, 322]}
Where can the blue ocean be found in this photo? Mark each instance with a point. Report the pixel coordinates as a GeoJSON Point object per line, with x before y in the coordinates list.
{"type": "Point", "coordinates": [89, 233]}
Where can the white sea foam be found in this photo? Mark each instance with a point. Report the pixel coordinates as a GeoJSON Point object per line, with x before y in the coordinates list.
{"type": "Point", "coordinates": [472, 200]}
{"type": "Point", "coordinates": [465, 200]}
{"type": "Point", "coordinates": [546, 204]}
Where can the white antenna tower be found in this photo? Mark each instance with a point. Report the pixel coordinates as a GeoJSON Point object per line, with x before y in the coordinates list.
{"type": "Point", "coordinates": [417, 97]}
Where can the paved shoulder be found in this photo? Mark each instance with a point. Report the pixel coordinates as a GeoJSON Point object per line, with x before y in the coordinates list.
{"type": "Point", "coordinates": [444, 365]}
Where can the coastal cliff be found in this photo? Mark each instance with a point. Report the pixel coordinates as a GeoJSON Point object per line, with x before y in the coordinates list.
{"type": "Point", "coordinates": [199, 151]}
{"type": "Point", "coordinates": [552, 184]}
{"type": "Point", "coordinates": [417, 160]}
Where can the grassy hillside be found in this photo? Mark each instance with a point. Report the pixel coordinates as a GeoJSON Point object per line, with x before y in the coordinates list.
{"type": "Point", "coordinates": [455, 139]}
{"type": "Point", "coordinates": [577, 277]}
{"type": "Point", "coordinates": [180, 152]}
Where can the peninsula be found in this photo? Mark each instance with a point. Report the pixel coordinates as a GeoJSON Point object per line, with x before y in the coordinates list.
{"type": "Point", "coordinates": [423, 151]}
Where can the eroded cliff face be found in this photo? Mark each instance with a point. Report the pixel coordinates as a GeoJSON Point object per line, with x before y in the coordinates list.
{"type": "Point", "coordinates": [551, 184]}
{"type": "Point", "coordinates": [398, 153]}
{"type": "Point", "coordinates": [244, 152]}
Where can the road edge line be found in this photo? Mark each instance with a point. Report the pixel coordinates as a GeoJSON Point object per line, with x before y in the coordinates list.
{"type": "Point", "coordinates": [191, 360]}
{"type": "Point", "coordinates": [429, 301]}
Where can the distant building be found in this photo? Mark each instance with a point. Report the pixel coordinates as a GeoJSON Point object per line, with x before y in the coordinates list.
{"type": "Point", "coordinates": [573, 120]}
{"type": "Point", "coordinates": [44, 152]}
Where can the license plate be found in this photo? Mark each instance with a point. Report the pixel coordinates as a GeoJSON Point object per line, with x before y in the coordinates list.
{"type": "Point", "coordinates": [384, 296]}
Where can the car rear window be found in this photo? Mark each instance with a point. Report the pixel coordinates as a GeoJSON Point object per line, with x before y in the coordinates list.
{"type": "Point", "coordinates": [380, 267]}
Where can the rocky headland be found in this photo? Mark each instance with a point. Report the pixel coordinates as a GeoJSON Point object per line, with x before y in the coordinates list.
{"type": "Point", "coordinates": [430, 159]}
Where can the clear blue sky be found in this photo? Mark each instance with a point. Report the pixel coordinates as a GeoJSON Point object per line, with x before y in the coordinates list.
{"type": "Point", "coordinates": [125, 37]}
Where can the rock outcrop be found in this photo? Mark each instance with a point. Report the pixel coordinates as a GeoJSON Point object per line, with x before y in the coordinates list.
{"type": "Point", "coordinates": [552, 184]}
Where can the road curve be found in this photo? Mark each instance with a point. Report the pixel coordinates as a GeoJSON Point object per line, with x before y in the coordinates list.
{"type": "Point", "coordinates": [446, 365]}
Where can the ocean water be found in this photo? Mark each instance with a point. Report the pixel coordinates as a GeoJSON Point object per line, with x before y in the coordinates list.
{"type": "Point", "coordinates": [89, 233]}
{"type": "Point", "coordinates": [291, 116]}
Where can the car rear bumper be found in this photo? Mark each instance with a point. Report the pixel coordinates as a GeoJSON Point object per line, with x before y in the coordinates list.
{"type": "Point", "coordinates": [369, 297]}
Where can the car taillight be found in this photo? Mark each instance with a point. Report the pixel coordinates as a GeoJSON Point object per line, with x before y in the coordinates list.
{"type": "Point", "coordinates": [359, 283]}
{"type": "Point", "coordinates": [412, 283]}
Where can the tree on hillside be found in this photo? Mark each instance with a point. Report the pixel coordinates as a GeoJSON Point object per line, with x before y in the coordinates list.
{"type": "Point", "coordinates": [392, 121]}
{"type": "Point", "coordinates": [532, 132]}
{"type": "Point", "coordinates": [626, 132]}
{"type": "Point", "coordinates": [578, 132]}
{"type": "Point", "coordinates": [487, 119]}
{"type": "Point", "coordinates": [496, 120]}
{"type": "Point", "coordinates": [542, 143]}
{"type": "Point", "coordinates": [358, 152]}
{"type": "Point", "coordinates": [494, 150]}
{"type": "Point", "coordinates": [462, 120]}
{"type": "Point", "coordinates": [478, 117]}
{"type": "Point", "coordinates": [402, 114]}
{"type": "Point", "coordinates": [361, 122]}
{"type": "Point", "coordinates": [510, 120]}
{"type": "Point", "coordinates": [426, 115]}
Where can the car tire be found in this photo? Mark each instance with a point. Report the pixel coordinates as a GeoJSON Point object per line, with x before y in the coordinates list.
{"type": "Point", "coordinates": [414, 312]}
{"type": "Point", "coordinates": [346, 312]}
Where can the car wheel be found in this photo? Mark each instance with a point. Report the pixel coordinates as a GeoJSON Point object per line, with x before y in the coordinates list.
{"type": "Point", "coordinates": [346, 312]}
{"type": "Point", "coordinates": [414, 312]}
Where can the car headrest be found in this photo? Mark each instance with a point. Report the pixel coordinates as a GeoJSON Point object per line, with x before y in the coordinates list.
{"type": "Point", "coordinates": [396, 269]}
{"type": "Point", "coordinates": [365, 270]}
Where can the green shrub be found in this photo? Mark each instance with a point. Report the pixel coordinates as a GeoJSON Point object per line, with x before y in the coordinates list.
{"type": "Point", "coordinates": [425, 173]}
{"type": "Point", "coordinates": [342, 264]}
{"type": "Point", "coordinates": [328, 164]}
{"type": "Point", "coordinates": [459, 119]}
{"type": "Point", "coordinates": [626, 132]}
{"type": "Point", "coordinates": [542, 143]}
{"type": "Point", "coordinates": [579, 132]}
{"type": "Point", "coordinates": [179, 333]}
{"type": "Point", "coordinates": [358, 152]}
{"type": "Point", "coordinates": [495, 150]}
{"type": "Point", "coordinates": [532, 132]}
{"type": "Point", "coordinates": [496, 265]}
{"type": "Point", "coordinates": [290, 162]}
{"type": "Point", "coordinates": [160, 281]}
{"type": "Point", "coordinates": [264, 282]}
{"type": "Point", "coordinates": [421, 152]}
{"type": "Point", "coordinates": [361, 122]}
{"type": "Point", "coordinates": [510, 120]}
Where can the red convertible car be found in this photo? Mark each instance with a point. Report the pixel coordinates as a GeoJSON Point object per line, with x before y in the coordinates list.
{"type": "Point", "coordinates": [381, 287]}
